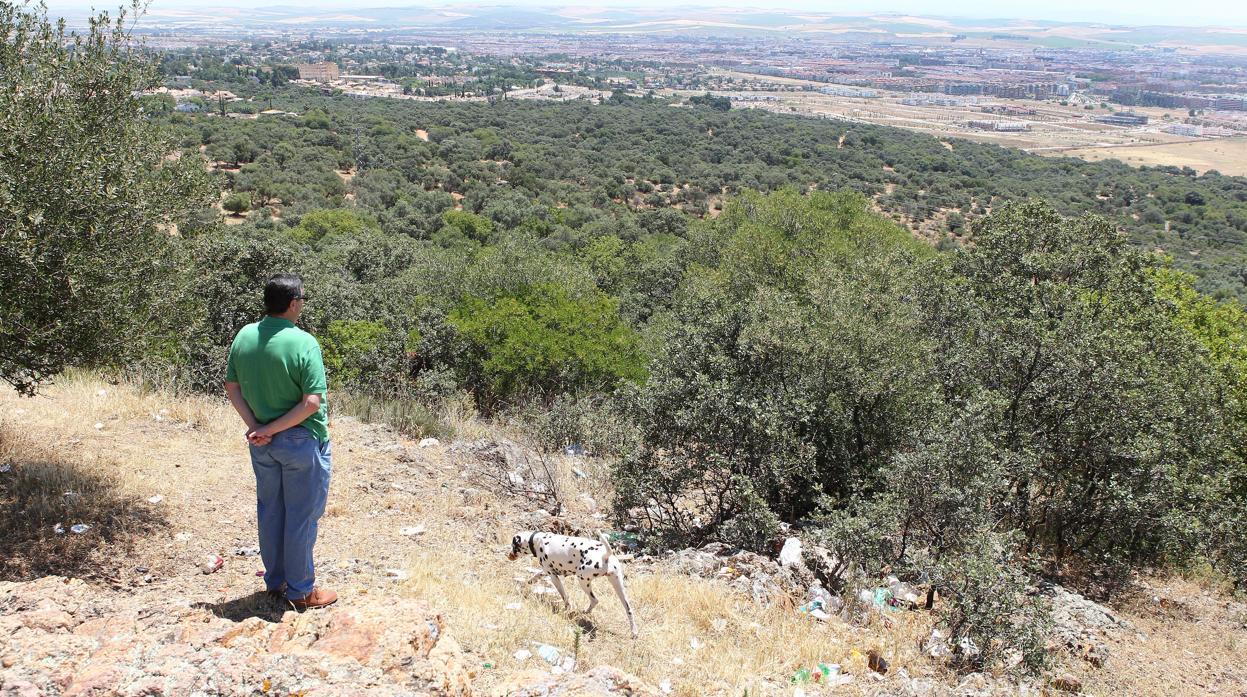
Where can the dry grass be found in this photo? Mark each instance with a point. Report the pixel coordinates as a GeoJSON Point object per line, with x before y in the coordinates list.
{"type": "Point", "coordinates": [1226, 155]}
{"type": "Point", "coordinates": [195, 457]}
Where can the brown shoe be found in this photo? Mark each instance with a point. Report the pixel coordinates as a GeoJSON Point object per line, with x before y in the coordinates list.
{"type": "Point", "coordinates": [319, 597]}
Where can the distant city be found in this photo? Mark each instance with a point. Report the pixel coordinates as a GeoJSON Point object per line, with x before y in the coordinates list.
{"type": "Point", "coordinates": [1085, 90]}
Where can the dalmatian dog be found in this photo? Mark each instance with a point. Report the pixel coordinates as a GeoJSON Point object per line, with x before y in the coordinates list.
{"type": "Point", "coordinates": [560, 555]}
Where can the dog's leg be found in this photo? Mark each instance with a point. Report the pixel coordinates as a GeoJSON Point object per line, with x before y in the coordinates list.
{"type": "Point", "coordinates": [558, 585]}
{"type": "Point", "coordinates": [536, 576]}
{"type": "Point", "coordinates": [617, 581]}
{"type": "Point", "coordinates": [587, 584]}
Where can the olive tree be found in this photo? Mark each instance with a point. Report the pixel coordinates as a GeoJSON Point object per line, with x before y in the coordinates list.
{"type": "Point", "coordinates": [90, 197]}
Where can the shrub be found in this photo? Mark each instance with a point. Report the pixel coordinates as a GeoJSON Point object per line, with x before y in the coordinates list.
{"type": "Point", "coordinates": [344, 344]}
{"type": "Point", "coordinates": [541, 341]}
{"type": "Point", "coordinates": [237, 203]}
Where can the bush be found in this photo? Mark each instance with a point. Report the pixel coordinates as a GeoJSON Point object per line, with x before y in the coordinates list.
{"type": "Point", "coordinates": [790, 367]}
{"type": "Point", "coordinates": [237, 203]}
{"type": "Point", "coordinates": [540, 341]}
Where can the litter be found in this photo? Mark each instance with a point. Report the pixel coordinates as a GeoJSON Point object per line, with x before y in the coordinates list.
{"type": "Point", "coordinates": [821, 674]}
{"type": "Point", "coordinates": [260, 573]}
{"type": "Point", "coordinates": [6, 467]}
{"type": "Point", "coordinates": [101, 393]}
{"type": "Point", "coordinates": [211, 563]}
{"type": "Point", "coordinates": [575, 450]}
{"type": "Point", "coordinates": [79, 528]}
{"type": "Point", "coordinates": [665, 686]}
{"type": "Point", "coordinates": [790, 555]}
{"type": "Point", "coordinates": [99, 426]}
{"type": "Point", "coordinates": [695, 643]}
{"type": "Point", "coordinates": [428, 443]}
{"type": "Point", "coordinates": [512, 606]}
{"type": "Point", "coordinates": [183, 536]}
{"type": "Point", "coordinates": [579, 472]}
{"type": "Point", "coordinates": [155, 499]}
{"type": "Point", "coordinates": [877, 662]}
{"type": "Point", "coordinates": [397, 574]}
{"type": "Point", "coordinates": [542, 590]}
{"type": "Point", "coordinates": [820, 615]}
{"type": "Point", "coordinates": [548, 653]}
{"type": "Point", "coordinates": [412, 531]}
{"type": "Point", "coordinates": [522, 655]}
{"type": "Point", "coordinates": [58, 529]}
{"type": "Point", "coordinates": [246, 551]}
{"type": "Point", "coordinates": [968, 647]}
{"type": "Point", "coordinates": [815, 604]}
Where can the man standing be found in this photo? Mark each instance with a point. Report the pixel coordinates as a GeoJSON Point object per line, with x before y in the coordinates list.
{"type": "Point", "coordinates": [276, 382]}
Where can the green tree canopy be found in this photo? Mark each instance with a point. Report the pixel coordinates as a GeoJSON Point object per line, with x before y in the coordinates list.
{"type": "Point", "coordinates": [90, 195]}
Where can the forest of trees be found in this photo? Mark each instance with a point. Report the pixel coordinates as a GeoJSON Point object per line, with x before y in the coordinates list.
{"type": "Point", "coordinates": [707, 299]}
{"type": "Point", "coordinates": [569, 168]}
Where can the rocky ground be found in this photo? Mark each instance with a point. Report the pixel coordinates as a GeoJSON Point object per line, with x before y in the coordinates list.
{"type": "Point", "coordinates": [414, 541]}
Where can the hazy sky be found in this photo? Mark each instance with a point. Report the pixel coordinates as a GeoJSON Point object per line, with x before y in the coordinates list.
{"type": "Point", "coordinates": [1224, 13]}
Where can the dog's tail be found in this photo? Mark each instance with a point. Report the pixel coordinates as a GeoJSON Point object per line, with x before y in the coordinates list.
{"type": "Point", "coordinates": [605, 543]}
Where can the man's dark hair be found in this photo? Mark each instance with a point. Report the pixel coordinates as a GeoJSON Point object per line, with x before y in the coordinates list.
{"type": "Point", "coordinates": [280, 290]}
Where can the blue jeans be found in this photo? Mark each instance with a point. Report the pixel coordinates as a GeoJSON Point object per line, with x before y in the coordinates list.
{"type": "Point", "coordinates": [291, 486]}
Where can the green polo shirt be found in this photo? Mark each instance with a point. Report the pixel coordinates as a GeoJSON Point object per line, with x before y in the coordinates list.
{"type": "Point", "coordinates": [276, 363]}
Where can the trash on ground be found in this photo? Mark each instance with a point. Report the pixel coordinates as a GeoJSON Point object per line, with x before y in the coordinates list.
{"type": "Point", "coordinates": [183, 536]}
{"type": "Point", "coordinates": [549, 654]}
{"type": "Point", "coordinates": [260, 572]}
{"type": "Point", "coordinates": [877, 662]}
{"type": "Point", "coordinates": [246, 551]}
{"type": "Point", "coordinates": [822, 674]}
{"type": "Point", "coordinates": [6, 467]}
{"type": "Point", "coordinates": [211, 563]}
{"type": "Point", "coordinates": [155, 499]}
{"type": "Point", "coordinates": [967, 646]}
{"type": "Point", "coordinates": [79, 528]}
{"type": "Point", "coordinates": [575, 450]}
{"type": "Point", "coordinates": [665, 686]}
{"type": "Point", "coordinates": [522, 655]}
{"type": "Point", "coordinates": [791, 554]}
{"type": "Point", "coordinates": [694, 643]}
{"type": "Point", "coordinates": [99, 426]}
{"type": "Point", "coordinates": [412, 531]}
{"type": "Point", "coordinates": [902, 593]}
{"type": "Point", "coordinates": [398, 574]}
{"type": "Point", "coordinates": [542, 590]}
{"type": "Point", "coordinates": [579, 472]}
{"type": "Point", "coordinates": [58, 529]}
{"type": "Point", "coordinates": [428, 443]}
{"type": "Point", "coordinates": [101, 393]}
{"type": "Point", "coordinates": [512, 606]}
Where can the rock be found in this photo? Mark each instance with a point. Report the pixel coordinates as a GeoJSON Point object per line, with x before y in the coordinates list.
{"type": "Point", "coordinates": [1081, 624]}
{"type": "Point", "coordinates": [1066, 683]}
{"type": "Point", "coordinates": [394, 648]}
{"type": "Point", "coordinates": [602, 681]}
{"type": "Point", "coordinates": [761, 578]}
{"type": "Point", "coordinates": [428, 443]}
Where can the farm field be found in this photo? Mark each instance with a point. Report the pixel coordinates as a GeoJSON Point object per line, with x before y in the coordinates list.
{"type": "Point", "coordinates": [1226, 155]}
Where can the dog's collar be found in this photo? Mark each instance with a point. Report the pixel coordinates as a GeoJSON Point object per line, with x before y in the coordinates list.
{"type": "Point", "coordinates": [531, 546]}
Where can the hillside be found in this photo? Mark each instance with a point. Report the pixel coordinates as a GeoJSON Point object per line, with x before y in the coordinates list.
{"type": "Point", "coordinates": [144, 614]}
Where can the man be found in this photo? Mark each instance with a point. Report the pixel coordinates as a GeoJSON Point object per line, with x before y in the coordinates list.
{"type": "Point", "coordinates": [276, 382]}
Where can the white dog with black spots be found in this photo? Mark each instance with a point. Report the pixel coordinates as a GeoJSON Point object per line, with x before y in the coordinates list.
{"type": "Point", "coordinates": [560, 555]}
